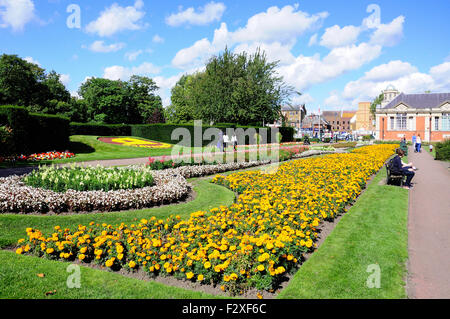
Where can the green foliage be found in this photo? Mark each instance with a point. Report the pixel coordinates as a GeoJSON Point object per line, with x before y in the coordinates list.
{"type": "Point", "coordinates": [375, 103]}
{"type": "Point", "coordinates": [27, 84]}
{"type": "Point", "coordinates": [113, 102]}
{"type": "Point", "coordinates": [100, 129]}
{"type": "Point", "coordinates": [443, 150]}
{"type": "Point", "coordinates": [237, 88]}
{"type": "Point", "coordinates": [88, 179]}
{"type": "Point", "coordinates": [33, 132]}
{"type": "Point", "coordinates": [367, 137]}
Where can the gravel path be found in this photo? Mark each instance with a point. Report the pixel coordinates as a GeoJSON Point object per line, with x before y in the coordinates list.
{"type": "Point", "coordinates": [429, 228]}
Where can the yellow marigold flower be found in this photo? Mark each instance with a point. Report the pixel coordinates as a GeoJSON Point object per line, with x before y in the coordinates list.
{"type": "Point", "coordinates": [81, 257]}
{"type": "Point", "coordinates": [189, 275]}
{"type": "Point", "coordinates": [200, 277]}
{"type": "Point", "coordinates": [207, 265]}
{"type": "Point", "coordinates": [109, 263]}
{"type": "Point", "coordinates": [260, 267]}
{"type": "Point", "coordinates": [19, 251]}
{"type": "Point", "coordinates": [49, 250]}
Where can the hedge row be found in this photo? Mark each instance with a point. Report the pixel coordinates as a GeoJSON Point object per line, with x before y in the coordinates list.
{"type": "Point", "coordinates": [443, 150]}
{"type": "Point", "coordinates": [33, 132]}
{"type": "Point", "coordinates": [163, 132]}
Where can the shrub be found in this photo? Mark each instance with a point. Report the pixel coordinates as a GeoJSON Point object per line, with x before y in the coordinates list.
{"type": "Point", "coordinates": [443, 150]}
{"type": "Point", "coordinates": [100, 129]}
{"type": "Point", "coordinates": [33, 132]}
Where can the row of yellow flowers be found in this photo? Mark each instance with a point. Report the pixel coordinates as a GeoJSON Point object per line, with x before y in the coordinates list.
{"type": "Point", "coordinates": [251, 243]}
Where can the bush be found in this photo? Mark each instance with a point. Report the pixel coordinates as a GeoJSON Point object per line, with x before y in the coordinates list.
{"type": "Point", "coordinates": [443, 150]}
{"type": "Point", "coordinates": [33, 132]}
{"type": "Point", "coordinates": [100, 129]}
{"type": "Point", "coordinates": [367, 137]}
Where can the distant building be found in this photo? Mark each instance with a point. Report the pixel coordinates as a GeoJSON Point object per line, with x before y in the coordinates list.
{"type": "Point", "coordinates": [408, 114]}
{"type": "Point", "coordinates": [364, 118]}
{"type": "Point", "coordinates": [312, 124]}
{"type": "Point", "coordinates": [389, 94]}
{"type": "Point", "coordinates": [294, 115]}
{"type": "Point", "coordinates": [339, 120]}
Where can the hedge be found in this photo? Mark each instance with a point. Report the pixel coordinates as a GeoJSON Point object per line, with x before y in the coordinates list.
{"type": "Point", "coordinates": [33, 132]}
{"type": "Point", "coordinates": [443, 150]}
{"type": "Point", "coordinates": [100, 129]}
{"type": "Point", "coordinates": [163, 132]}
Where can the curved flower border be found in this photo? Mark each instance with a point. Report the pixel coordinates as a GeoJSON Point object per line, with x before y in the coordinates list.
{"type": "Point", "coordinates": [170, 186]}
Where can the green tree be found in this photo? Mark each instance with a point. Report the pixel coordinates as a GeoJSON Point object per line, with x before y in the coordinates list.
{"type": "Point", "coordinates": [234, 88]}
{"type": "Point", "coordinates": [375, 103]}
{"type": "Point", "coordinates": [20, 81]}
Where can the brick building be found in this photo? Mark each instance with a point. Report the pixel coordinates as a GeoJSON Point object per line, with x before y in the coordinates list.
{"type": "Point", "coordinates": [408, 114]}
{"type": "Point", "coordinates": [339, 121]}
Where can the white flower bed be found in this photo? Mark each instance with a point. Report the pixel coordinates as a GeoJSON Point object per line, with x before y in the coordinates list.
{"type": "Point", "coordinates": [170, 186]}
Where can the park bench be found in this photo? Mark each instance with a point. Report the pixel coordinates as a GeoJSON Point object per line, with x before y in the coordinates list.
{"type": "Point", "coordinates": [391, 176]}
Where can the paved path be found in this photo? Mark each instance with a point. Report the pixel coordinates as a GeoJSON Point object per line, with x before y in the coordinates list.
{"type": "Point", "coordinates": [429, 228]}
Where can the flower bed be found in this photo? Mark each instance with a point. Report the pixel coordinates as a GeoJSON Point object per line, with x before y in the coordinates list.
{"type": "Point", "coordinates": [49, 156]}
{"type": "Point", "coordinates": [88, 178]}
{"type": "Point", "coordinates": [251, 243]}
{"type": "Point", "coordinates": [133, 142]}
{"type": "Point", "coordinates": [170, 186]}
{"type": "Point", "coordinates": [284, 154]}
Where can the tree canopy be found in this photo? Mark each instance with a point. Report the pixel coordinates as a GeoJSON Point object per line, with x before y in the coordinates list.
{"type": "Point", "coordinates": [102, 101]}
{"type": "Point", "coordinates": [234, 88]}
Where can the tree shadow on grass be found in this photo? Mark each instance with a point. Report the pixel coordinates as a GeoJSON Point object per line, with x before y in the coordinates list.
{"type": "Point", "coordinates": [80, 148]}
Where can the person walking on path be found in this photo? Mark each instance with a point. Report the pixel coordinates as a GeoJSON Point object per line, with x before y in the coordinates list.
{"type": "Point", "coordinates": [428, 230]}
{"type": "Point", "coordinates": [414, 139]}
{"type": "Point", "coordinates": [418, 144]}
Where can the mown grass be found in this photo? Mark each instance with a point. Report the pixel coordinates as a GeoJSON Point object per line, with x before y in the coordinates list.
{"type": "Point", "coordinates": [19, 280]}
{"type": "Point", "coordinates": [372, 232]}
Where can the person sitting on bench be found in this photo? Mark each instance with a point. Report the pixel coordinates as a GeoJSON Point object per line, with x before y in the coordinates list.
{"type": "Point", "coordinates": [399, 167]}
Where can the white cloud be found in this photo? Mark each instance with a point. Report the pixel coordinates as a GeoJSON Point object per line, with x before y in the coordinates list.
{"type": "Point", "coordinates": [276, 25]}
{"type": "Point", "coordinates": [158, 39]}
{"type": "Point", "coordinates": [194, 55]}
{"type": "Point", "coordinates": [29, 59]}
{"type": "Point", "coordinates": [116, 18]}
{"type": "Point", "coordinates": [389, 71]}
{"type": "Point", "coordinates": [117, 72]}
{"type": "Point", "coordinates": [209, 13]}
{"type": "Point", "coordinates": [309, 70]}
{"type": "Point", "coordinates": [312, 40]}
{"type": "Point", "coordinates": [402, 75]}
{"type": "Point", "coordinates": [132, 56]}
{"type": "Point", "coordinates": [389, 34]}
{"type": "Point", "coordinates": [16, 13]}
{"type": "Point", "coordinates": [336, 36]}
{"type": "Point", "coordinates": [100, 46]}
{"type": "Point", "coordinates": [65, 79]}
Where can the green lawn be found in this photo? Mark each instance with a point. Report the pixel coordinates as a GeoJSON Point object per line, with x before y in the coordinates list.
{"type": "Point", "coordinates": [19, 280]}
{"type": "Point", "coordinates": [372, 232]}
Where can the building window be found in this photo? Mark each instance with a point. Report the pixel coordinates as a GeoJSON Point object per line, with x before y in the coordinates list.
{"type": "Point", "coordinates": [392, 120]}
{"type": "Point", "coordinates": [401, 122]}
{"type": "Point", "coordinates": [446, 122]}
{"type": "Point", "coordinates": [411, 123]}
{"type": "Point", "coordinates": [436, 123]}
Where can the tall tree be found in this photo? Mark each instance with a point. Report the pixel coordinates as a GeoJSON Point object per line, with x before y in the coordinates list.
{"type": "Point", "coordinates": [375, 103]}
{"type": "Point", "coordinates": [234, 88]}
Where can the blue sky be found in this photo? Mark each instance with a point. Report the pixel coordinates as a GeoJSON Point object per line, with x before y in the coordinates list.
{"type": "Point", "coordinates": [337, 53]}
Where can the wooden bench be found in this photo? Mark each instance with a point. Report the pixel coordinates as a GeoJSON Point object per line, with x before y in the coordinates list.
{"type": "Point", "coordinates": [393, 176]}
